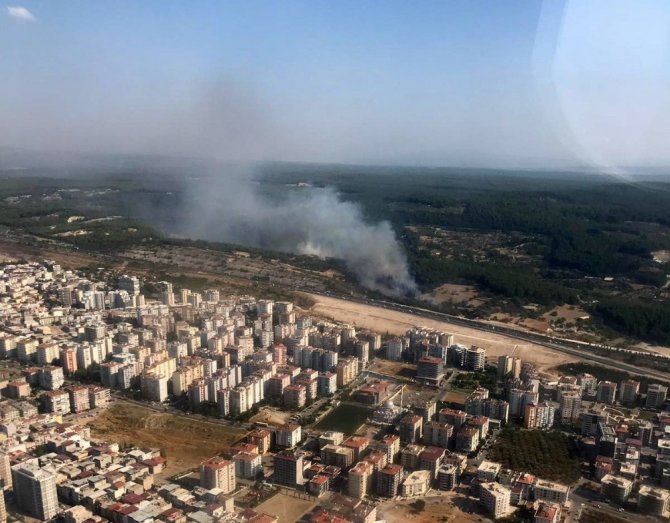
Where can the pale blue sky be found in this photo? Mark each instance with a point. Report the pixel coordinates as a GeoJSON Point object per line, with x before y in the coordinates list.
{"type": "Point", "coordinates": [526, 83]}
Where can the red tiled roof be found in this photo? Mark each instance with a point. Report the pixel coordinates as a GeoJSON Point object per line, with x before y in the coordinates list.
{"type": "Point", "coordinates": [319, 479]}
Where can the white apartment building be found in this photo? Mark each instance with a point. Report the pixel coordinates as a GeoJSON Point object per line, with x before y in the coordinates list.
{"type": "Point", "coordinates": [553, 492]}
{"type": "Point", "coordinates": [496, 499]}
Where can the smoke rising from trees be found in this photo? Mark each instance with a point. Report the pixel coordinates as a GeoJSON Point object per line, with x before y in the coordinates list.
{"type": "Point", "coordinates": [229, 120]}
{"type": "Point", "coordinates": [311, 221]}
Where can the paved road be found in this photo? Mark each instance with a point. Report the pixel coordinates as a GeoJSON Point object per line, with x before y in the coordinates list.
{"type": "Point", "coordinates": [588, 503]}
{"type": "Point", "coordinates": [573, 348]}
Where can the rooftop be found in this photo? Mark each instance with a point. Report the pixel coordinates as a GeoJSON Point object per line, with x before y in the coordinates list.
{"type": "Point", "coordinates": [617, 481]}
{"type": "Point", "coordinates": [495, 488]}
{"type": "Point", "coordinates": [546, 510]}
{"type": "Point", "coordinates": [391, 469]}
{"type": "Point", "coordinates": [658, 493]}
{"type": "Point", "coordinates": [541, 483]}
{"type": "Point", "coordinates": [432, 454]}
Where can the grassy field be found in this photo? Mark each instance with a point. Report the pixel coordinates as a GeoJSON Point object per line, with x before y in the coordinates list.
{"type": "Point", "coordinates": [344, 418]}
{"type": "Point", "coordinates": [184, 441]}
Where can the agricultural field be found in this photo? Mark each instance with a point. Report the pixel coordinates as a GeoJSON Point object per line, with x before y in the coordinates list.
{"type": "Point", "coordinates": [185, 442]}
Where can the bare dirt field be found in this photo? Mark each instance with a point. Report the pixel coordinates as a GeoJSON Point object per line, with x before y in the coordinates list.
{"type": "Point", "coordinates": [11, 251]}
{"type": "Point", "coordinates": [394, 368]}
{"type": "Point", "coordinates": [441, 509]}
{"type": "Point", "coordinates": [185, 442]}
{"type": "Point", "coordinates": [566, 316]}
{"type": "Point", "coordinates": [455, 397]}
{"type": "Point", "coordinates": [453, 293]}
{"type": "Point", "coordinates": [272, 417]}
{"type": "Point", "coordinates": [384, 320]}
{"type": "Point", "coordinates": [285, 507]}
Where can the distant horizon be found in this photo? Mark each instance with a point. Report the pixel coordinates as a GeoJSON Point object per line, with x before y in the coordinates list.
{"type": "Point", "coordinates": [615, 171]}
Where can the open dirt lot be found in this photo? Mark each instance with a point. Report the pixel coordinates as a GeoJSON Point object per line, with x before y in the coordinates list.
{"type": "Point", "coordinates": [394, 368]}
{"type": "Point", "coordinates": [272, 417]}
{"type": "Point", "coordinates": [286, 507]}
{"type": "Point", "coordinates": [455, 397]}
{"type": "Point", "coordinates": [441, 509]}
{"type": "Point", "coordinates": [452, 293]}
{"type": "Point", "coordinates": [385, 320]}
{"type": "Point", "coordinates": [562, 319]}
{"type": "Point", "coordinates": [186, 442]}
{"type": "Point", "coordinates": [12, 251]}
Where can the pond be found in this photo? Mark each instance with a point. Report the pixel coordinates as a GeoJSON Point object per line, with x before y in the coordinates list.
{"type": "Point", "coordinates": [344, 418]}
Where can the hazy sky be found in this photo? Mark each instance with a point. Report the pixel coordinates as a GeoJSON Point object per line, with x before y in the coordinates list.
{"type": "Point", "coordinates": [508, 83]}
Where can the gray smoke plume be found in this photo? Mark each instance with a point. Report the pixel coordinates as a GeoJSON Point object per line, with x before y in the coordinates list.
{"type": "Point", "coordinates": [230, 121]}
{"type": "Point", "coordinates": [226, 120]}
{"type": "Point", "coordinates": [311, 221]}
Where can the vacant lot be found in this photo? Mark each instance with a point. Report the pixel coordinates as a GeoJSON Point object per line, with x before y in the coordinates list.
{"type": "Point", "coordinates": [446, 508]}
{"type": "Point", "coordinates": [12, 251]}
{"type": "Point", "coordinates": [549, 455]}
{"type": "Point", "coordinates": [455, 397]}
{"type": "Point", "coordinates": [452, 293]}
{"type": "Point", "coordinates": [272, 416]}
{"type": "Point", "coordinates": [394, 368]}
{"type": "Point", "coordinates": [286, 507]}
{"type": "Point", "coordinates": [185, 442]}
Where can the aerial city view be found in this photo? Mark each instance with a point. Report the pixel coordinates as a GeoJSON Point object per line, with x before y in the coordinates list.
{"type": "Point", "coordinates": [334, 262]}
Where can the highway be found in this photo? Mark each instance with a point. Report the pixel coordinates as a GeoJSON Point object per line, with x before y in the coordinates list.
{"type": "Point", "coordinates": [574, 348]}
